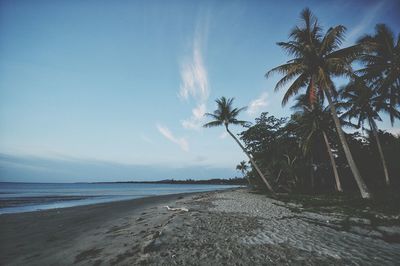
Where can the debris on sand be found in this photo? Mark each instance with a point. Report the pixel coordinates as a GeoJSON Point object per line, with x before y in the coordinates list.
{"type": "Point", "coordinates": [176, 209]}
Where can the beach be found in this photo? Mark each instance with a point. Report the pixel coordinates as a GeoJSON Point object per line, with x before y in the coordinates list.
{"type": "Point", "coordinates": [230, 227]}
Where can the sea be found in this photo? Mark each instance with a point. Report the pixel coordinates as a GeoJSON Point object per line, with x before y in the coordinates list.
{"type": "Point", "coordinates": [27, 197]}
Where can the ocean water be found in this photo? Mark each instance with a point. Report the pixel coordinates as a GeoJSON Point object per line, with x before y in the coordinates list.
{"type": "Point", "coordinates": [25, 197]}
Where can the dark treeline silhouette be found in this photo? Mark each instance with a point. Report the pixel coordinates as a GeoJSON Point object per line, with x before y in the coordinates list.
{"type": "Point", "coordinates": [310, 151]}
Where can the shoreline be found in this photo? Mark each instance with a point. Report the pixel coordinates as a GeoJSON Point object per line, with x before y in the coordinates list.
{"type": "Point", "coordinates": [233, 226]}
{"type": "Point", "coordinates": [13, 202]}
{"type": "Point", "coordinates": [70, 198]}
{"type": "Point", "coordinates": [29, 203]}
{"type": "Point", "coordinates": [26, 235]}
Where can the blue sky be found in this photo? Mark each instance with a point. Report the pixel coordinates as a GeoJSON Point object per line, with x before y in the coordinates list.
{"type": "Point", "coordinates": [115, 90]}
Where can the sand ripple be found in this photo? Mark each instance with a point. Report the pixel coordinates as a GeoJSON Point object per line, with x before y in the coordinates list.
{"type": "Point", "coordinates": [305, 231]}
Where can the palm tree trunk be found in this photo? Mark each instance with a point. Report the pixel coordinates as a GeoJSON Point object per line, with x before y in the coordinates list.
{"type": "Point", "coordinates": [333, 163]}
{"type": "Point", "coordinates": [378, 143]}
{"type": "Point", "coordinates": [252, 161]}
{"type": "Point", "coordinates": [357, 176]}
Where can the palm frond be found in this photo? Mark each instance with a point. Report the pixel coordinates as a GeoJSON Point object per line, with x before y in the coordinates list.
{"type": "Point", "coordinates": [213, 124]}
{"type": "Point", "coordinates": [238, 122]}
{"type": "Point", "coordinates": [333, 39]}
{"type": "Point", "coordinates": [225, 113]}
{"type": "Point", "coordinates": [285, 68]}
{"type": "Point", "coordinates": [349, 53]}
{"type": "Point", "coordinates": [299, 83]}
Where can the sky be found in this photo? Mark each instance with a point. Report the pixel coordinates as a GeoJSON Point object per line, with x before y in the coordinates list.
{"type": "Point", "coordinates": [116, 90]}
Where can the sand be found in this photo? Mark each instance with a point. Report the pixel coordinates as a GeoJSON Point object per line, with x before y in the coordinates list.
{"type": "Point", "coordinates": [233, 227]}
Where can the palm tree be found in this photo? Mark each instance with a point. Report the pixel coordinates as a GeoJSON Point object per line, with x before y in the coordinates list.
{"type": "Point", "coordinates": [312, 122]}
{"type": "Point", "coordinates": [361, 102]}
{"type": "Point", "coordinates": [243, 167]}
{"type": "Point", "coordinates": [225, 115]}
{"type": "Point", "coordinates": [318, 59]}
{"type": "Point", "coordinates": [382, 66]}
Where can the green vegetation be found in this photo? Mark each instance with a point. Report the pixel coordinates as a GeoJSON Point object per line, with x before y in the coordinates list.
{"type": "Point", "coordinates": [310, 153]}
{"type": "Point", "coordinates": [383, 210]}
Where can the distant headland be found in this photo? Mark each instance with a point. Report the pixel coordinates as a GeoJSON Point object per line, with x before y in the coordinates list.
{"type": "Point", "coordinates": [215, 181]}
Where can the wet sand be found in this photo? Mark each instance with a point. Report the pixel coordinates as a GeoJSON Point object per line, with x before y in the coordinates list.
{"type": "Point", "coordinates": [23, 201]}
{"type": "Point", "coordinates": [77, 235]}
{"type": "Point", "coordinates": [233, 227]}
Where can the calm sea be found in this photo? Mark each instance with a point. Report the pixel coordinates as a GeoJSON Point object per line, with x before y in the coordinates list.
{"type": "Point", "coordinates": [25, 197]}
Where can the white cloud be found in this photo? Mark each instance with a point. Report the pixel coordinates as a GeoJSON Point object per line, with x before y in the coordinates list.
{"type": "Point", "coordinates": [223, 135]}
{"type": "Point", "coordinates": [257, 105]}
{"type": "Point", "coordinates": [359, 29]}
{"type": "Point", "coordinates": [194, 76]}
{"type": "Point", "coordinates": [395, 131]}
{"type": "Point", "coordinates": [194, 83]}
{"type": "Point", "coordinates": [197, 118]}
{"type": "Point", "coordinates": [181, 142]}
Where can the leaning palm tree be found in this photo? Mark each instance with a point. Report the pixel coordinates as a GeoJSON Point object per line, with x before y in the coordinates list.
{"type": "Point", "coordinates": [243, 167]}
{"type": "Point", "coordinates": [225, 115]}
{"type": "Point", "coordinates": [313, 122]}
{"type": "Point", "coordinates": [361, 102]}
{"type": "Point", "coordinates": [381, 61]}
{"type": "Point", "coordinates": [317, 60]}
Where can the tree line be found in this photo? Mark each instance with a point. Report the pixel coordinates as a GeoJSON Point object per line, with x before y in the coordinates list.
{"type": "Point", "coordinates": [310, 151]}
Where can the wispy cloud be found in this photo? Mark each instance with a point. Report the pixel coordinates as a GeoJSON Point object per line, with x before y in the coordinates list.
{"type": "Point", "coordinates": [365, 23]}
{"type": "Point", "coordinates": [194, 83]}
{"type": "Point", "coordinates": [194, 75]}
{"type": "Point", "coordinates": [223, 135]}
{"type": "Point", "coordinates": [181, 142]}
{"type": "Point", "coordinates": [257, 105]}
{"type": "Point", "coordinates": [197, 118]}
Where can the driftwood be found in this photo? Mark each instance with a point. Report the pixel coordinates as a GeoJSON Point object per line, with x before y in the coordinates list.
{"type": "Point", "coordinates": [176, 209]}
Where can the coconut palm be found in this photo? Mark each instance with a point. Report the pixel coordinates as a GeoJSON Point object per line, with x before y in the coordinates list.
{"type": "Point", "coordinates": [225, 115]}
{"type": "Point", "coordinates": [382, 66]}
{"type": "Point", "coordinates": [313, 122]}
{"type": "Point", "coordinates": [317, 60]}
{"type": "Point", "coordinates": [361, 102]}
{"type": "Point", "coordinates": [243, 167]}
